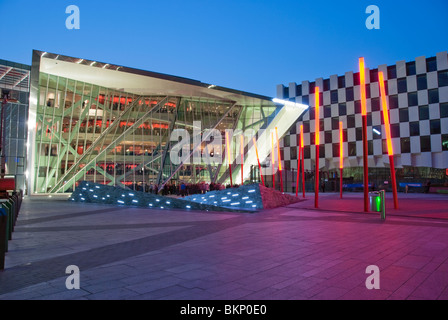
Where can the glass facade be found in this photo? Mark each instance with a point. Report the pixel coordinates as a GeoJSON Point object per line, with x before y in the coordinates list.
{"type": "Point", "coordinates": [123, 137]}
{"type": "Point", "coordinates": [14, 80]}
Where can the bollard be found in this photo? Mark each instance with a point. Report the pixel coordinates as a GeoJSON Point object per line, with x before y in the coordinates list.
{"type": "Point", "coordinates": [9, 205]}
{"type": "Point", "coordinates": [383, 204]}
{"type": "Point", "coordinates": [3, 240]}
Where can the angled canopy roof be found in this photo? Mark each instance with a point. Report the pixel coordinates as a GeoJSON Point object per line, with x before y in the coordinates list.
{"type": "Point", "coordinates": [139, 81]}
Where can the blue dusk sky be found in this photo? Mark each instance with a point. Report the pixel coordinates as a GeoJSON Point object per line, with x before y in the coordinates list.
{"type": "Point", "coordinates": [245, 44]}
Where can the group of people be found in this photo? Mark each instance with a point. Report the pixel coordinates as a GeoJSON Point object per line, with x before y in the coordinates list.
{"type": "Point", "coordinates": [186, 189]}
{"type": "Point", "coordinates": [182, 189]}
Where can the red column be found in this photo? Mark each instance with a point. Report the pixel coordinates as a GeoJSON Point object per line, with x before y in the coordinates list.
{"type": "Point", "coordinates": [228, 157]}
{"type": "Point", "coordinates": [242, 158]}
{"type": "Point", "coordinates": [341, 157]}
{"type": "Point", "coordinates": [273, 159]}
{"type": "Point", "coordinates": [303, 162]}
{"type": "Point", "coordinates": [258, 160]}
{"type": "Point", "coordinates": [316, 143]}
{"type": "Point", "coordinates": [298, 172]}
{"type": "Point", "coordinates": [364, 133]}
{"type": "Point", "coordinates": [279, 160]}
{"type": "Point", "coordinates": [388, 137]}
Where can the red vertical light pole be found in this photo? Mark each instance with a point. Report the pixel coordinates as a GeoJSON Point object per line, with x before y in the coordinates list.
{"type": "Point", "coordinates": [258, 160]}
{"type": "Point", "coordinates": [242, 157]}
{"type": "Point", "coordinates": [273, 159]}
{"type": "Point", "coordinates": [388, 137]}
{"type": "Point", "coordinates": [228, 157]}
{"type": "Point", "coordinates": [303, 162]}
{"type": "Point", "coordinates": [316, 143]}
{"type": "Point", "coordinates": [279, 160]}
{"type": "Point", "coordinates": [341, 157]}
{"type": "Point", "coordinates": [298, 172]}
{"type": "Point", "coordinates": [362, 81]}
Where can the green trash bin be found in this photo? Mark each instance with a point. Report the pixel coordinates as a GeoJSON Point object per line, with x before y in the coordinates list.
{"type": "Point", "coordinates": [3, 236]}
{"type": "Point", "coordinates": [378, 203]}
{"type": "Point", "coordinates": [375, 201]}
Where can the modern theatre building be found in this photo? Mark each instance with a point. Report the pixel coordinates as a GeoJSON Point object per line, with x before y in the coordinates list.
{"type": "Point", "coordinates": [113, 125]}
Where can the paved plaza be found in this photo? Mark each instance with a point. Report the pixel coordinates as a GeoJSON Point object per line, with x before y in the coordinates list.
{"type": "Point", "coordinates": [294, 252]}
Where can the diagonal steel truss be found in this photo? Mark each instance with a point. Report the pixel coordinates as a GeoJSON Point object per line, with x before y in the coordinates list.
{"type": "Point", "coordinates": [90, 159]}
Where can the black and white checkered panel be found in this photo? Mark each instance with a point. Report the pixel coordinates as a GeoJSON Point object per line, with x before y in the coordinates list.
{"type": "Point", "coordinates": [418, 102]}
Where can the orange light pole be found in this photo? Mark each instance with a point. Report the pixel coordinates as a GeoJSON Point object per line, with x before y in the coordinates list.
{"type": "Point", "coordinates": [228, 157]}
{"type": "Point", "coordinates": [388, 137]}
{"type": "Point", "coordinates": [279, 160]}
{"type": "Point", "coordinates": [364, 132]}
{"type": "Point", "coordinates": [258, 160]}
{"type": "Point", "coordinates": [316, 143]}
{"type": "Point", "coordinates": [298, 172]}
{"type": "Point", "coordinates": [273, 159]}
{"type": "Point", "coordinates": [303, 162]}
{"type": "Point", "coordinates": [242, 157]}
{"type": "Point", "coordinates": [341, 157]}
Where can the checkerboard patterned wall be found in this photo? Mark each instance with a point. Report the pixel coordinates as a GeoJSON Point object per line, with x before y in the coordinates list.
{"type": "Point", "coordinates": [418, 102]}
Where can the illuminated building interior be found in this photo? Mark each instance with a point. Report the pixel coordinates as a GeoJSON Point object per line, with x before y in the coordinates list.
{"type": "Point", "coordinates": [112, 125]}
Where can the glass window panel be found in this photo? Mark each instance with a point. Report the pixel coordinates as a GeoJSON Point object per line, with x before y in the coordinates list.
{"type": "Point", "coordinates": [326, 84]}
{"type": "Point", "coordinates": [410, 68]}
{"type": "Point", "coordinates": [444, 110]}
{"type": "Point", "coordinates": [405, 144]}
{"type": "Point", "coordinates": [414, 128]}
{"type": "Point", "coordinates": [328, 137]}
{"type": "Point", "coordinates": [404, 115]}
{"type": "Point", "coordinates": [423, 112]}
{"type": "Point", "coordinates": [393, 101]}
{"type": "Point", "coordinates": [342, 109]}
{"type": "Point", "coordinates": [335, 123]}
{"type": "Point", "coordinates": [327, 111]}
{"type": "Point", "coordinates": [334, 96]}
{"type": "Point", "coordinates": [421, 82]}
{"type": "Point", "coordinates": [402, 85]}
{"type": "Point", "coordinates": [358, 134]}
{"type": "Point", "coordinates": [395, 130]}
{"type": "Point", "coordinates": [412, 99]}
{"type": "Point", "coordinates": [351, 121]}
{"type": "Point", "coordinates": [341, 82]}
{"type": "Point", "coordinates": [434, 126]}
{"type": "Point", "coordinates": [374, 75]}
{"type": "Point", "coordinates": [431, 64]}
{"type": "Point", "coordinates": [433, 96]}
{"type": "Point", "coordinates": [391, 72]}
{"type": "Point", "coordinates": [445, 142]}
{"type": "Point", "coordinates": [352, 148]}
{"type": "Point", "coordinates": [375, 103]}
{"type": "Point", "coordinates": [376, 132]}
{"type": "Point", "coordinates": [443, 78]}
{"type": "Point", "coordinates": [425, 143]}
{"type": "Point", "coordinates": [349, 95]}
